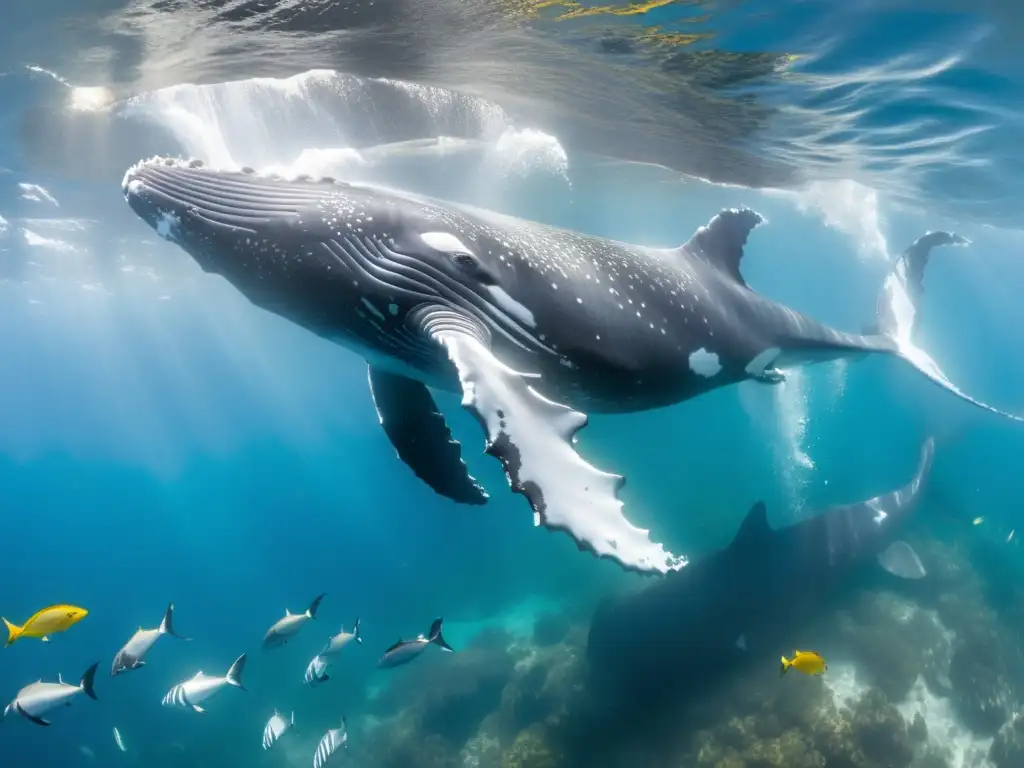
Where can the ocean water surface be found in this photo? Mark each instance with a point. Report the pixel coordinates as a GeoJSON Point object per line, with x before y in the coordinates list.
{"type": "Point", "coordinates": [163, 440]}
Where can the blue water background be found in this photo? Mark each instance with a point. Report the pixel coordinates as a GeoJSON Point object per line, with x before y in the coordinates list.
{"type": "Point", "coordinates": [201, 451]}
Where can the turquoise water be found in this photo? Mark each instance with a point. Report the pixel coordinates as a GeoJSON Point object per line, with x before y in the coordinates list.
{"type": "Point", "coordinates": [162, 440]}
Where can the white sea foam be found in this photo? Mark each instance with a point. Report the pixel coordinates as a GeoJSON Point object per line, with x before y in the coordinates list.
{"type": "Point", "coordinates": [36, 193]}
{"type": "Point", "coordinates": [243, 121]}
{"type": "Point", "coordinates": [847, 206]}
{"type": "Point", "coordinates": [529, 150]}
{"type": "Point", "coordinates": [35, 240]}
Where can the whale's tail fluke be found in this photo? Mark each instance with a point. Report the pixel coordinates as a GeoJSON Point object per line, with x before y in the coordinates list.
{"type": "Point", "coordinates": [897, 310]}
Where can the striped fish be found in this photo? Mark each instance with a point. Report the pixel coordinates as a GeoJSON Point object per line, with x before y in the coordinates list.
{"type": "Point", "coordinates": [333, 740]}
{"type": "Point", "coordinates": [276, 727]}
{"type": "Point", "coordinates": [316, 672]}
{"type": "Point", "coordinates": [198, 689]}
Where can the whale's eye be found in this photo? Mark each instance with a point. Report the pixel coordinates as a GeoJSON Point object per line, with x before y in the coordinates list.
{"type": "Point", "coordinates": [470, 265]}
{"type": "Point", "coordinates": [461, 256]}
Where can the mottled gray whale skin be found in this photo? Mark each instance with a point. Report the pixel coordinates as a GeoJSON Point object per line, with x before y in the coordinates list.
{"type": "Point", "coordinates": [533, 324]}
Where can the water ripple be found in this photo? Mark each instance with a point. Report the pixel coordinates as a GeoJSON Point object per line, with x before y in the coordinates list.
{"type": "Point", "coordinates": [923, 102]}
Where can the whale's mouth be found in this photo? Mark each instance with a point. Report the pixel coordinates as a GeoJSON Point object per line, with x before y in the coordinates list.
{"type": "Point", "coordinates": [170, 194]}
{"type": "Point", "coordinates": [266, 235]}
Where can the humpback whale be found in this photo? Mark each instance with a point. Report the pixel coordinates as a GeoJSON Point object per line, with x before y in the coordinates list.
{"type": "Point", "coordinates": [742, 600]}
{"type": "Point", "coordinates": [533, 325]}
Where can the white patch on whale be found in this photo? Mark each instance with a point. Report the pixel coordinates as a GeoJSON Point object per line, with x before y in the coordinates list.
{"type": "Point", "coordinates": [704, 363]}
{"type": "Point", "coordinates": [449, 243]}
{"type": "Point", "coordinates": [762, 360]}
{"type": "Point", "coordinates": [445, 242]}
{"type": "Point", "coordinates": [167, 225]}
{"type": "Point", "coordinates": [511, 306]}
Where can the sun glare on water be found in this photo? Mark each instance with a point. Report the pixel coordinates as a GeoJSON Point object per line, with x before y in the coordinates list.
{"type": "Point", "coordinates": [90, 99]}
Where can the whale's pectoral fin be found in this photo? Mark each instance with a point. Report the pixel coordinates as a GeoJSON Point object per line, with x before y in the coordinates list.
{"type": "Point", "coordinates": [533, 439]}
{"type": "Point", "coordinates": [420, 435]}
{"type": "Point", "coordinates": [900, 559]}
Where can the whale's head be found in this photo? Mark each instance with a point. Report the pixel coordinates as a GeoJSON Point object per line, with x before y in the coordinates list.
{"type": "Point", "coordinates": [349, 262]}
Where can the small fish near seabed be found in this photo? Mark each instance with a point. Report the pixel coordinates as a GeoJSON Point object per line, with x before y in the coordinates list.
{"type": "Point", "coordinates": [36, 699]}
{"type": "Point", "coordinates": [276, 727]}
{"type": "Point", "coordinates": [198, 689]}
{"type": "Point", "coordinates": [404, 651]}
{"type": "Point", "coordinates": [316, 671]}
{"type": "Point", "coordinates": [333, 740]}
{"type": "Point", "coordinates": [808, 662]}
{"type": "Point", "coordinates": [118, 740]}
{"type": "Point", "coordinates": [285, 629]}
{"type": "Point", "coordinates": [340, 640]}
{"type": "Point", "coordinates": [132, 656]}
{"type": "Point", "coordinates": [48, 621]}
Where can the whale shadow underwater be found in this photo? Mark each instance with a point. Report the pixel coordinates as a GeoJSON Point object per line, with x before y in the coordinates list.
{"type": "Point", "coordinates": [533, 325]}
{"type": "Point", "coordinates": [679, 637]}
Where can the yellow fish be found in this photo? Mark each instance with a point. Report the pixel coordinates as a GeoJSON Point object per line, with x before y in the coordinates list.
{"type": "Point", "coordinates": [55, 618]}
{"type": "Point", "coordinates": [979, 520]}
{"type": "Point", "coordinates": [808, 662]}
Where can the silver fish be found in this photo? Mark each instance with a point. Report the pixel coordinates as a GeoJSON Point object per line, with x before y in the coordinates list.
{"type": "Point", "coordinates": [192, 693]}
{"type": "Point", "coordinates": [36, 699]}
{"type": "Point", "coordinates": [340, 640]}
{"type": "Point", "coordinates": [333, 740]}
{"type": "Point", "coordinates": [132, 656]}
{"type": "Point", "coordinates": [285, 628]}
{"type": "Point", "coordinates": [405, 651]}
{"type": "Point", "coordinates": [118, 740]}
{"type": "Point", "coordinates": [316, 672]}
{"type": "Point", "coordinates": [275, 728]}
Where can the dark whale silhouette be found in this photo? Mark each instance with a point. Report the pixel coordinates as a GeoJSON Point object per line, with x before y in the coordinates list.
{"type": "Point", "coordinates": [683, 630]}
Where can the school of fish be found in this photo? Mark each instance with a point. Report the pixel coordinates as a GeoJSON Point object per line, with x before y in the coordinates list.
{"type": "Point", "coordinates": [35, 701]}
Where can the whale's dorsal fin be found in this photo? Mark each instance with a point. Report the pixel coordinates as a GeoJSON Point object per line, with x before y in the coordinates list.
{"type": "Point", "coordinates": [721, 240]}
{"type": "Point", "coordinates": [754, 529]}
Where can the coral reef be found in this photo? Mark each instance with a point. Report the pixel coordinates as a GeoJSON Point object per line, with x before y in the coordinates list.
{"type": "Point", "coordinates": [531, 749]}
{"type": "Point", "coordinates": [1008, 747]}
{"type": "Point", "coordinates": [490, 704]}
{"type": "Point", "coordinates": [907, 665]}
